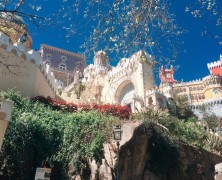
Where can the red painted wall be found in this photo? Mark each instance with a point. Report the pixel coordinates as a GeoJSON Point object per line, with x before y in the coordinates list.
{"type": "Point", "coordinates": [217, 71]}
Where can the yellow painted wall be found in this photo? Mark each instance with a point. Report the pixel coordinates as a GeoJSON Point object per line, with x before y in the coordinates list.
{"type": "Point", "coordinates": [209, 93]}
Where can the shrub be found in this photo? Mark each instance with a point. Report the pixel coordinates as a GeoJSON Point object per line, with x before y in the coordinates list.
{"type": "Point", "coordinates": [122, 112]}
{"type": "Point", "coordinates": [37, 133]}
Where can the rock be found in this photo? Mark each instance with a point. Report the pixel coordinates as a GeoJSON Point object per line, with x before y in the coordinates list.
{"type": "Point", "coordinates": [218, 168]}
{"type": "Point", "coordinates": [105, 172]}
{"type": "Point", "coordinates": [218, 171]}
{"type": "Point", "coordinates": [145, 154]}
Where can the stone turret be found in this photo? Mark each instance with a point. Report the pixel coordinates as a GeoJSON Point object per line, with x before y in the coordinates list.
{"type": "Point", "coordinates": [167, 75]}
{"type": "Point", "coordinates": [215, 67]}
{"type": "Point", "coordinates": [101, 59]}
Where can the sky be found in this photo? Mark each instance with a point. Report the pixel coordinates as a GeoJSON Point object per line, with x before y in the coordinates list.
{"type": "Point", "coordinates": [195, 52]}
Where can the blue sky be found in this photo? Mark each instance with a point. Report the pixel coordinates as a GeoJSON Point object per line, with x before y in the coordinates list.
{"type": "Point", "coordinates": [195, 52]}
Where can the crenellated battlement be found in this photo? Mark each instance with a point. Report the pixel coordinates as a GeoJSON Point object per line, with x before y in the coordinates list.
{"type": "Point", "coordinates": [129, 65]}
{"type": "Point", "coordinates": [49, 76]}
{"type": "Point", "coordinates": [215, 64]}
{"type": "Point", "coordinates": [19, 50]}
{"type": "Point", "coordinates": [91, 71]}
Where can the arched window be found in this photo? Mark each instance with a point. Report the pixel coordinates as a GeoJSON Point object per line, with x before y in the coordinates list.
{"type": "Point", "coordinates": [62, 66]}
{"type": "Point", "coordinates": [47, 63]}
{"type": "Point", "coordinates": [216, 91]}
{"type": "Point", "coordinates": [63, 58]}
{"type": "Point", "coordinates": [48, 56]}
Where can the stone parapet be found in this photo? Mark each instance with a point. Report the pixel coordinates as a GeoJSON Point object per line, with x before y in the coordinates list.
{"type": "Point", "coordinates": [49, 76]}
{"type": "Point", "coordinates": [19, 50]}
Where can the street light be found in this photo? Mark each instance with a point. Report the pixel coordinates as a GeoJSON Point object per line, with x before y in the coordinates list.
{"type": "Point", "coordinates": [117, 135]}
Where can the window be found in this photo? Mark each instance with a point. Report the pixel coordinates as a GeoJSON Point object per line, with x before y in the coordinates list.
{"type": "Point", "coordinates": [63, 58]}
{"type": "Point", "coordinates": [48, 56]}
{"type": "Point", "coordinates": [62, 66]}
{"type": "Point", "coordinates": [47, 63]}
{"type": "Point", "coordinates": [168, 75]}
{"type": "Point", "coordinates": [216, 91]}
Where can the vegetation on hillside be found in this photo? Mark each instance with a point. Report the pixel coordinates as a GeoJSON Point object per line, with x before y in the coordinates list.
{"type": "Point", "coordinates": [64, 140]}
{"type": "Point", "coordinates": [182, 126]}
{"type": "Point", "coordinates": [67, 140]}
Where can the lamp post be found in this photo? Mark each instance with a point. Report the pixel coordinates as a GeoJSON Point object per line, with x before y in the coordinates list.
{"type": "Point", "coordinates": [117, 135]}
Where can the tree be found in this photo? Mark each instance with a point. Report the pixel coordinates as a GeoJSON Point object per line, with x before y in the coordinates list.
{"type": "Point", "coordinates": [179, 107]}
{"type": "Point", "coordinates": [210, 12]}
{"type": "Point", "coordinates": [209, 117]}
{"type": "Point", "coordinates": [118, 27]}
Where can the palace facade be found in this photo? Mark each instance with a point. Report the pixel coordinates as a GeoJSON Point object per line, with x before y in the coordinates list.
{"type": "Point", "coordinates": [65, 75]}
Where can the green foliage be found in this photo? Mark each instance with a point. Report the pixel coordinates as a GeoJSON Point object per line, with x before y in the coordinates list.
{"type": "Point", "coordinates": [187, 130]}
{"type": "Point", "coordinates": [84, 134]}
{"type": "Point", "coordinates": [179, 107]}
{"type": "Point", "coordinates": [214, 144]}
{"type": "Point", "coordinates": [37, 133]}
{"type": "Point", "coordinates": [209, 117]}
{"type": "Point", "coordinates": [151, 115]}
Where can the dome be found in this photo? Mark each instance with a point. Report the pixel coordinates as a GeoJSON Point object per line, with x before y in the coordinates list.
{"type": "Point", "coordinates": [14, 26]}
{"type": "Point", "coordinates": [13, 18]}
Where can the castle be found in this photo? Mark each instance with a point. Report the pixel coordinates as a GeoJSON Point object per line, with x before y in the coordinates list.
{"type": "Point", "coordinates": [65, 75]}
{"type": "Point", "coordinates": [204, 91]}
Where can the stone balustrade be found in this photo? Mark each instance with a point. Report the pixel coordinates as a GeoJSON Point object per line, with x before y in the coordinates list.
{"type": "Point", "coordinates": [213, 101]}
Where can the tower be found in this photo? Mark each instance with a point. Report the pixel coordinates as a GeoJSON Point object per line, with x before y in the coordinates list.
{"type": "Point", "coordinates": [101, 59]}
{"type": "Point", "coordinates": [167, 75]}
{"type": "Point", "coordinates": [167, 80]}
{"type": "Point", "coordinates": [215, 67]}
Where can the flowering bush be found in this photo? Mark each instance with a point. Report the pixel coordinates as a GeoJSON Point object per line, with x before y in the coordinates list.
{"type": "Point", "coordinates": [84, 107]}
{"type": "Point", "coordinates": [122, 112]}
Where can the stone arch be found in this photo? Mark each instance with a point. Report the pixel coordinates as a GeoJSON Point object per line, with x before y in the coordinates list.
{"type": "Point", "coordinates": [124, 92]}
